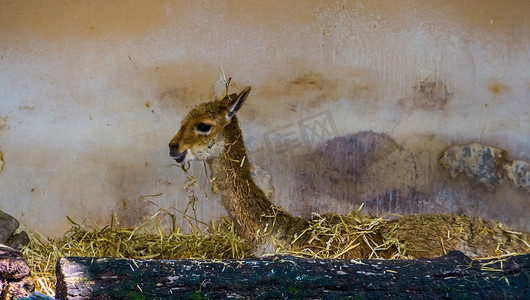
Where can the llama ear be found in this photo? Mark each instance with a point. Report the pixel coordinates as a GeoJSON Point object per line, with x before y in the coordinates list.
{"type": "Point", "coordinates": [236, 102]}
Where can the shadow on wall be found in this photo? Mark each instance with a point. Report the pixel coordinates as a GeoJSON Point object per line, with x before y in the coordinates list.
{"type": "Point", "coordinates": [372, 168]}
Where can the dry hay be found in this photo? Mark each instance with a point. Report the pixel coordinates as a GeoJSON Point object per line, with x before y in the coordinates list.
{"type": "Point", "coordinates": [356, 236]}
{"type": "Point", "coordinates": [352, 236]}
{"type": "Point", "coordinates": [216, 242]}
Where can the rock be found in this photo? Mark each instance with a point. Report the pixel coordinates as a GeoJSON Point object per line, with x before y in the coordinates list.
{"type": "Point", "coordinates": [13, 266]}
{"type": "Point", "coordinates": [10, 232]}
{"type": "Point", "coordinates": [18, 289]}
{"type": "Point", "coordinates": [15, 274]}
{"type": "Point", "coordinates": [518, 172]}
{"type": "Point", "coordinates": [483, 164]}
{"type": "Point", "coordinates": [8, 225]}
{"type": "Point", "coordinates": [18, 240]}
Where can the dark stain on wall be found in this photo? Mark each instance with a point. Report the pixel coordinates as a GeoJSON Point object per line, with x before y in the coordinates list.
{"type": "Point", "coordinates": [306, 88]}
{"type": "Point", "coordinates": [176, 90]}
{"type": "Point", "coordinates": [429, 95]}
{"type": "Point", "coordinates": [3, 124]}
{"type": "Point", "coordinates": [178, 98]}
{"type": "Point", "coordinates": [342, 164]}
{"type": "Point", "coordinates": [130, 205]}
{"type": "Point", "coordinates": [496, 88]}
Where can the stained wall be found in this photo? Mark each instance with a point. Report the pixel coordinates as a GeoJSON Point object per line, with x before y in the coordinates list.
{"type": "Point", "coordinates": [353, 102]}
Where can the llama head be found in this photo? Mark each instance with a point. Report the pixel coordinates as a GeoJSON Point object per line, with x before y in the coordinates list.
{"type": "Point", "coordinates": [200, 136]}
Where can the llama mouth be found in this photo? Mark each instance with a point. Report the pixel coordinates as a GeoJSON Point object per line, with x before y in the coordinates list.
{"type": "Point", "coordinates": [180, 157]}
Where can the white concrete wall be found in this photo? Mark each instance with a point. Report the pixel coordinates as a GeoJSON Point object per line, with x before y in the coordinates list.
{"type": "Point", "coordinates": [92, 91]}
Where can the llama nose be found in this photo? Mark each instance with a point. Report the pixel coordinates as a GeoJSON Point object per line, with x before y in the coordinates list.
{"type": "Point", "coordinates": [173, 146]}
{"type": "Point", "coordinates": [173, 149]}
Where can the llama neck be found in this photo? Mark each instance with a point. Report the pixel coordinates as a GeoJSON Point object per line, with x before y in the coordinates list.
{"type": "Point", "coordinates": [245, 202]}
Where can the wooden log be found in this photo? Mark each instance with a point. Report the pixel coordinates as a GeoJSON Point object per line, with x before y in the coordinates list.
{"type": "Point", "coordinates": [453, 276]}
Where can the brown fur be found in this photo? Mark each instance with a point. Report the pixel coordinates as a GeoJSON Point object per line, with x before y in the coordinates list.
{"type": "Point", "coordinates": [436, 234]}
{"type": "Point", "coordinates": [268, 228]}
{"type": "Point", "coordinates": [264, 225]}
{"type": "Point", "coordinates": [254, 215]}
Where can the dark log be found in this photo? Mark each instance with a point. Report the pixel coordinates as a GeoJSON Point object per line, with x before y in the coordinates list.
{"type": "Point", "coordinates": [453, 276]}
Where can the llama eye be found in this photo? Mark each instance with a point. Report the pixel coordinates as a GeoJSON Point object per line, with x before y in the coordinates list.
{"type": "Point", "coordinates": [204, 128]}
